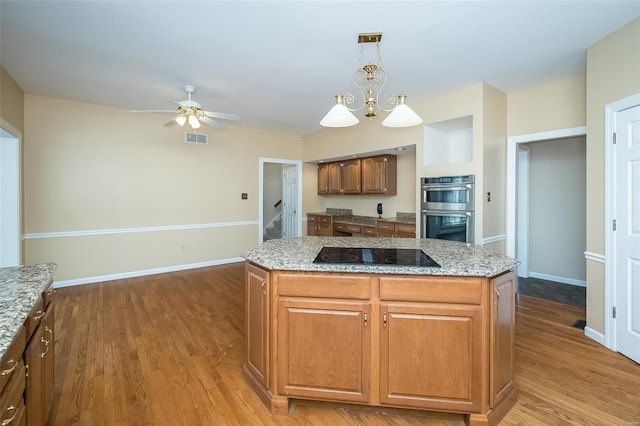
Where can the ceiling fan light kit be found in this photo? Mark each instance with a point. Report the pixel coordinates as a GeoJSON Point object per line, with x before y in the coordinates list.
{"type": "Point", "coordinates": [371, 81]}
{"type": "Point", "coordinates": [191, 112]}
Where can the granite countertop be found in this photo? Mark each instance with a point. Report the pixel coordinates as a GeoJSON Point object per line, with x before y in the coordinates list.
{"type": "Point", "coordinates": [455, 258]}
{"type": "Point", "coordinates": [20, 288]}
{"type": "Point", "coordinates": [347, 217]}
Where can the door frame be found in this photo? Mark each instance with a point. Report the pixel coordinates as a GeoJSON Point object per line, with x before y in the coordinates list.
{"type": "Point", "coordinates": [512, 163]}
{"type": "Point", "coordinates": [298, 164]}
{"type": "Point", "coordinates": [610, 285]}
{"type": "Point", "coordinates": [17, 136]}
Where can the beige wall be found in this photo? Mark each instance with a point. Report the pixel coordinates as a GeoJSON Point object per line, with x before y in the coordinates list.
{"type": "Point", "coordinates": [613, 73]}
{"type": "Point", "coordinates": [558, 105]}
{"type": "Point", "coordinates": [494, 165]}
{"type": "Point", "coordinates": [90, 167]}
{"type": "Point", "coordinates": [11, 101]}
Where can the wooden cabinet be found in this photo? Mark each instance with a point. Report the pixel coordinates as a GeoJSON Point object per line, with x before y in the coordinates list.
{"type": "Point", "coordinates": [442, 370]}
{"type": "Point", "coordinates": [323, 178]}
{"type": "Point", "coordinates": [372, 175]}
{"type": "Point", "coordinates": [422, 342]}
{"type": "Point", "coordinates": [324, 349]}
{"type": "Point", "coordinates": [502, 337]}
{"type": "Point", "coordinates": [12, 382]}
{"type": "Point", "coordinates": [257, 322]}
{"type": "Point", "coordinates": [350, 172]}
{"type": "Point", "coordinates": [389, 229]}
{"type": "Point", "coordinates": [368, 231]}
{"type": "Point", "coordinates": [379, 175]}
{"type": "Point", "coordinates": [39, 358]}
{"type": "Point", "coordinates": [319, 225]}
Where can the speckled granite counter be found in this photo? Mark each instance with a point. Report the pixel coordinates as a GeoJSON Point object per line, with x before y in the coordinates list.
{"type": "Point", "coordinates": [20, 288]}
{"type": "Point", "coordinates": [455, 259]}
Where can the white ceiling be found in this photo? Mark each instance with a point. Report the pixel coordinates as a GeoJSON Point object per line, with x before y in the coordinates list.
{"type": "Point", "coordinates": [278, 64]}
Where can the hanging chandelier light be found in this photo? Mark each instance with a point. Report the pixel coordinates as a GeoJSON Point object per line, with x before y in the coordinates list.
{"type": "Point", "coordinates": [371, 80]}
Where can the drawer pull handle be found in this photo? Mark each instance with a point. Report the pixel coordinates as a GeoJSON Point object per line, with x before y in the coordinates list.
{"type": "Point", "coordinates": [46, 344]}
{"type": "Point", "coordinates": [15, 412]}
{"type": "Point", "coordinates": [47, 329]}
{"type": "Point", "coordinates": [38, 316]}
{"type": "Point", "coordinates": [8, 371]}
{"type": "Point", "coordinates": [51, 292]}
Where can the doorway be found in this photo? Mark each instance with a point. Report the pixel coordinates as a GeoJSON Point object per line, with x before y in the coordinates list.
{"type": "Point", "coordinates": [279, 199]}
{"type": "Point", "coordinates": [519, 202]}
{"type": "Point", "coordinates": [10, 241]}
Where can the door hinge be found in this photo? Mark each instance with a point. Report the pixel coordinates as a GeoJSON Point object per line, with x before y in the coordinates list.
{"type": "Point", "coordinates": [614, 311]}
{"type": "Point", "coordinates": [614, 138]}
{"type": "Point", "coordinates": [614, 224]}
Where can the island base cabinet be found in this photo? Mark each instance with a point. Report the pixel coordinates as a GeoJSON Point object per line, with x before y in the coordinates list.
{"type": "Point", "coordinates": [430, 356]}
{"type": "Point", "coordinates": [503, 336]}
{"type": "Point", "coordinates": [324, 349]}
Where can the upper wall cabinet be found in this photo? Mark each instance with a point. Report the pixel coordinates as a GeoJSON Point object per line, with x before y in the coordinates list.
{"type": "Point", "coordinates": [371, 175]}
{"type": "Point", "coordinates": [449, 142]}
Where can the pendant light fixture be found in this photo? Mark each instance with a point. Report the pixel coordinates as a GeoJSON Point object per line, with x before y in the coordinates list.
{"type": "Point", "coordinates": [371, 80]}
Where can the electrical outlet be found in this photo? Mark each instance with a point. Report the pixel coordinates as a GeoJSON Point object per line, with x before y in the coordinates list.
{"type": "Point", "coordinates": [244, 196]}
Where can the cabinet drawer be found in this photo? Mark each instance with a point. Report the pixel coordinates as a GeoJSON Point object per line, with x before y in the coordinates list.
{"type": "Point", "coordinates": [386, 226]}
{"type": "Point", "coordinates": [432, 289]}
{"type": "Point", "coordinates": [339, 227]}
{"type": "Point", "coordinates": [406, 228]}
{"type": "Point", "coordinates": [311, 219]}
{"type": "Point", "coordinates": [9, 365]}
{"type": "Point", "coordinates": [354, 229]}
{"type": "Point", "coordinates": [324, 219]}
{"type": "Point", "coordinates": [369, 231]}
{"type": "Point", "coordinates": [318, 285]}
{"type": "Point", "coordinates": [11, 400]}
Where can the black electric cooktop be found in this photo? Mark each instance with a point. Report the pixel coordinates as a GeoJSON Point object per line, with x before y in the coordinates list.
{"type": "Point", "coordinates": [375, 256]}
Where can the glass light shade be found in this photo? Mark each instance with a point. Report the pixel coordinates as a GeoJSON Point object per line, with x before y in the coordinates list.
{"type": "Point", "coordinates": [339, 116]}
{"type": "Point", "coordinates": [181, 119]}
{"type": "Point", "coordinates": [194, 122]}
{"type": "Point", "coordinates": [402, 116]}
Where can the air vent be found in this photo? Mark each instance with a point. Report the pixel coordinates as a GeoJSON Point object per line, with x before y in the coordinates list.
{"type": "Point", "coordinates": [199, 138]}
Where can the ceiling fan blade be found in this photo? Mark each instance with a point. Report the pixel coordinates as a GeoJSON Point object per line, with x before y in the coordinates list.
{"type": "Point", "coordinates": [221, 115]}
{"type": "Point", "coordinates": [172, 121]}
{"type": "Point", "coordinates": [212, 123]}
{"type": "Point", "coordinates": [154, 110]}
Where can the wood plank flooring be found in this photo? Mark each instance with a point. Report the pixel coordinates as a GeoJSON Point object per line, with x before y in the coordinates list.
{"type": "Point", "coordinates": [168, 350]}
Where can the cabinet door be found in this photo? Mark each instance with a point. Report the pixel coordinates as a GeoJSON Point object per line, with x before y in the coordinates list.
{"type": "Point", "coordinates": [324, 349]}
{"type": "Point", "coordinates": [325, 227]}
{"type": "Point", "coordinates": [312, 225]}
{"type": "Point", "coordinates": [323, 178]}
{"type": "Point", "coordinates": [502, 336]}
{"type": "Point", "coordinates": [335, 178]}
{"type": "Point", "coordinates": [48, 361]}
{"type": "Point", "coordinates": [379, 175]}
{"type": "Point", "coordinates": [431, 356]}
{"type": "Point", "coordinates": [34, 395]}
{"type": "Point", "coordinates": [257, 322]}
{"type": "Point", "coordinates": [351, 177]}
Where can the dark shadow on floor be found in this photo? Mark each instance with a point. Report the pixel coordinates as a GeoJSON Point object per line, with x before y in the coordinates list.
{"type": "Point", "coordinates": [562, 293]}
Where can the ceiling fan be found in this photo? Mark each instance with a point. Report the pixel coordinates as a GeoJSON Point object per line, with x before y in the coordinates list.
{"type": "Point", "coordinates": [191, 111]}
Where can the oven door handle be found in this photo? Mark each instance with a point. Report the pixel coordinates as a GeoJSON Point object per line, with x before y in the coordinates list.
{"type": "Point", "coordinates": [446, 213]}
{"type": "Point", "coordinates": [447, 187]}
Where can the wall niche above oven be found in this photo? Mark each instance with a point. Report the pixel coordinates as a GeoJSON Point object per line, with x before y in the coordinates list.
{"type": "Point", "coordinates": [449, 142]}
{"type": "Point", "coordinates": [368, 175]}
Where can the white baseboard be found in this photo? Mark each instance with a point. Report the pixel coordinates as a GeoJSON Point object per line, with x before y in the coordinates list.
{"type": "Point", "coordinates": [132, 274]}
{"type": "Point", "coordinates": [594, 335]}
{"type": "Point", "coordinates": [563, 280]}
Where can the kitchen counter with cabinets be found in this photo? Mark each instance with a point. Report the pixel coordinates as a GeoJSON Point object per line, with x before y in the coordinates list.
{"type": "Point", "coordinates": [429, 338]}
{"type": "Point", "coordinates": [326, 224]}
{"type": "Point", "coordinates": [27, 344]}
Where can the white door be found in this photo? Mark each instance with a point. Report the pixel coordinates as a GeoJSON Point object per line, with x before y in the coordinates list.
{"type": "Point", "coordinates": [627, 233]}
{"type": "Point", "coordinates": [289, 202]}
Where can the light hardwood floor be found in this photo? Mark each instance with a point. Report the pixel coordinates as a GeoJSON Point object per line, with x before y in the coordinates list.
{"type": "Point", "coordinates": [168, 350]}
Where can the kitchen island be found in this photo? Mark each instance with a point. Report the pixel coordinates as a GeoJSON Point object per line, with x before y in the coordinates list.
{"type": "Point", "coordinates": [436, 338]}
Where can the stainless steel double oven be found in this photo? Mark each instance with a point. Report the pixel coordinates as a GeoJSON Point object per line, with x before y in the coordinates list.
{"type": "Point", "coordinates": [448, 208]}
